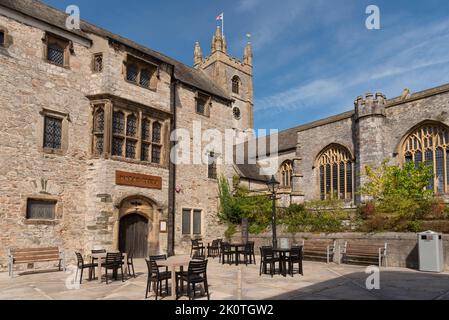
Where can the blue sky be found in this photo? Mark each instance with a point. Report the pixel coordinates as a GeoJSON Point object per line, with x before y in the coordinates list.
{"type": "Point", "coordinates": [312, 58]}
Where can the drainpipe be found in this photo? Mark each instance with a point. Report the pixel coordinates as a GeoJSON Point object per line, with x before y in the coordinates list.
{"type": "Point", "coordinates": [172, 174]}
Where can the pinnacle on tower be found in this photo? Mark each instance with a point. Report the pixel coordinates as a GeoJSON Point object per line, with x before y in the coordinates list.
{"type": "Point", "coordinates": [218, 41]}
{"type": "Point", "coordinates": [248, 56]}
{"type": "Point", "coordinates": [198, 54]}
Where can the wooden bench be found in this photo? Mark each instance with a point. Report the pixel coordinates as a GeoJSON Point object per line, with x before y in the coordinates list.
{"type": "Point", "coordinates": [34, 255]}
{"type": "Point", "coordinates": [364, 253]}
{"type": "Point", "coordinates": [319, 249]}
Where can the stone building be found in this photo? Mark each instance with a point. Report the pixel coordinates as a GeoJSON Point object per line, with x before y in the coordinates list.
{"type": "Point", "coordinates": [86, 119]}
{"type": "Point", "coordinates": [327, 158]}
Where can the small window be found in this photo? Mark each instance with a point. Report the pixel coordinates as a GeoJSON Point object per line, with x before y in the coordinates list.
{"type": "Point", "coordinates": [156, 155]}
{"type": "Point", "coordinates": [212, 166]}
{"type": "Point", "coordinates": [196, 222]}
{"type": "Point", "coordinates": [99, 131]}
{"type": "Point", "coordinates": [55, 54]}
{"type": "Point", "coordinates": [41, 209]}
{"type": "Point", "coordinates": [97, 64]}
{"type": "Point", "coordinates": [2, 38]}
{"type": "Point", "coordinates": [237, 113]}
{"type": "Point", "coordinates": [202, 105]}
{"type": "Point", "coordinates": [186, 221]}
{"type": "Point", "coordinates": [236, 85]}
{"type": "Point", "coordinates": [132, 73]}
{"type": "Point", "coordinates": [145, 77]}
{"type": "Point", "coordinates": [52, 133]}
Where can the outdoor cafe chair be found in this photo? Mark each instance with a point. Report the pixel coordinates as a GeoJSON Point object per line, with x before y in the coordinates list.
{"type": "Point", "coordinates": [156, 277]}
{"type": "Point", "coordinates": [196, 274]}
{"type": "Point", "coordinates": [114, 262]}
{"type": "Point", "coordinates": [81, 266]}
{"type": "Point", "coordinates": [267, 258]}
{"type": "Point", "coordinates": [295, 257]}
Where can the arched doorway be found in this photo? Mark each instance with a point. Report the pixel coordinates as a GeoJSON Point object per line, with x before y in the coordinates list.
{"type": "Point", "coordinates": [133, 235]}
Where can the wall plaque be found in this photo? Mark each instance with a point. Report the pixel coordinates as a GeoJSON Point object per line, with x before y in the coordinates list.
{"type": "Point", "coordinates": [137, 180]}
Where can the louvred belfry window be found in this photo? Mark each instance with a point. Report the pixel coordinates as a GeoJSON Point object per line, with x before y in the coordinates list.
{"type": "Point", "coordinates": [429, 144]}
{"type": "Point", "coordinates": [335, 173]}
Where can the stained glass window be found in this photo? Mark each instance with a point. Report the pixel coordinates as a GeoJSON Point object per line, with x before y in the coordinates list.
{"type": "Point", "coordinates": [335, 173]}
{"type": "Point", "coordinates": [52, 133]}
{"type": "Point", "coordinates": [429, 144]}
{"type": "Point", "coordinates": [55, 54]}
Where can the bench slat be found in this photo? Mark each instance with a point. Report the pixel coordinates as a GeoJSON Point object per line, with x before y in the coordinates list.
{"type": "Point", "coordinates": [15, 251]}
{"type": "Point", "coordinates": [32, 254]}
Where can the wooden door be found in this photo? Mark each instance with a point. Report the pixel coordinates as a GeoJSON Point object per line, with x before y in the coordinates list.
{"type": "Point", "coordinates": [134, 235]}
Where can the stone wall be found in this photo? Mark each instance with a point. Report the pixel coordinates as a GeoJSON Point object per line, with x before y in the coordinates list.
{"type": "Point", "coordinates": [402, 247]}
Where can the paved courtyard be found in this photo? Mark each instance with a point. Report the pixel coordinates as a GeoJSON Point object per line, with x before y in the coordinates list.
{"type": "Point", "coordinates": [321, 281]}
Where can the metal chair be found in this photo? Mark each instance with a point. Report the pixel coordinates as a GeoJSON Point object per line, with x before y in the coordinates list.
{"type": "Point", "coordinates": [81, 266]}
{"type": "Point", "coordinates": [114, 262]}
{"type": "Point", "coordinates": [155, 276]}
{"type": "Point", "coordinates": [196, 274]}
{"type": "Point", "coordinates": [267, 257]}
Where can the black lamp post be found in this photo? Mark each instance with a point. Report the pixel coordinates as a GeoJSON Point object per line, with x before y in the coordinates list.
{"type": "Point", "coordinates": [273, 187]}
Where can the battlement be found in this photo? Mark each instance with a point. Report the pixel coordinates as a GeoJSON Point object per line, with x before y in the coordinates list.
{"type": "Point", "coordinates": [370, 105]}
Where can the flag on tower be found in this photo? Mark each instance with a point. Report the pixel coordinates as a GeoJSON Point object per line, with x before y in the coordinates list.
{"type": "Point", "coordinates": [220, 17]}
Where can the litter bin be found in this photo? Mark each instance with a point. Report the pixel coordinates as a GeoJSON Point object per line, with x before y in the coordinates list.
{"type": "Point", "coordinates": [431, 257]}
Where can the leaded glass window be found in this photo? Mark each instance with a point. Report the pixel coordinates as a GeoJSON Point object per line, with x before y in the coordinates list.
{"type": "Point", "coordinates": [41, 209]}
{"type": "Point", "coordinates": [97, 64]}
{"type": "Point", "coordinates": [335, 173]}
{"type": "Point", "coordinates": [145, 152]}
{"type": "Point", "coordinates": [132, 73]}
{"type": "Point", "coordinates": [55, 54]}
{"type": "Point", "coordinates": [286, 173]}
{"type": "Point", "coordinates": [236, 85]}
{"type": "Point", "coordinates": [131, 126]}
{"type": "Point", "coordinates": [118, 123]}
{"type": "Point", "coordinates": [52, 133]}
{"type": "Point", "coordinates": [99, 131]}
{"type": "Point", "coordinates": [130, 149]}
{"type": "Point", "coordinates": [145, 77]}
{"type": "Point", "coordinates": [429, 144]}
{"type": "Point", "coordinates": [157, 132]}
{"type": "Point", "coordinates": [156, 154]}
{"type": "Point", "coordinates": [146, 127]}
{"type": "Point", "coordinates": [117, 146]}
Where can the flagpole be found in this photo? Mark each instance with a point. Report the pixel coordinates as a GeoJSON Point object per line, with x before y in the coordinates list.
{"type": "Point", "coordinates": [222, 25]}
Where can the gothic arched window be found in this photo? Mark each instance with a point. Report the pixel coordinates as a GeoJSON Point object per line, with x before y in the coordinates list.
{"type": "Point", "coordinates": [336, 173]}
{"type": "Point", "coordinates": [286, 173]}
{"type": "Point", "coordinates": [236, 85]}
{"type": "Point", "coordinates": [429, 144]}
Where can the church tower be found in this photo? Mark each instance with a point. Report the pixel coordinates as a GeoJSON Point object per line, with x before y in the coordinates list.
{"type": "Point", "coordinates": [233, 75]}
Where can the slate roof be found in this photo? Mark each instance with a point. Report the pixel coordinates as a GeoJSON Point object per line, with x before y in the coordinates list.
{"type": "Point", "coordinates": [57, 18]}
